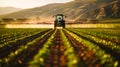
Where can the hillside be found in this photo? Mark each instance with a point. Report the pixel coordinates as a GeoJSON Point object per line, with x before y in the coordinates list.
{"type": "Point", "coordinates": [70, 9]}
{"type": "Point", "coordinates": [6, 10]}
{"type": "Point", "coordinates": [105, 10]}
{"type": "Point", "coordinates": [75, 10]}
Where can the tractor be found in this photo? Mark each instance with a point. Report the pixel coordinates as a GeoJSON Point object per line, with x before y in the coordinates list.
{"type": "Point", "coordinates": [59, 20]}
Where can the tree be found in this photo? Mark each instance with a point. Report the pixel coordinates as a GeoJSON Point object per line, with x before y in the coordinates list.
{"type": "Point", "coordinates": [22, 19]}
{"type": "Point", "coordinates": [7, 19]}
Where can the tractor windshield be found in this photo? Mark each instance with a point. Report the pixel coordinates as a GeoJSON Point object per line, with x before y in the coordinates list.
{"type": "Point", "coordinates": [59, 18]}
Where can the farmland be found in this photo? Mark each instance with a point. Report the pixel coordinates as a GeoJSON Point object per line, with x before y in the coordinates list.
{"type": "Point", "coordinates": [60, 33]}
{"type": "Point", "coordinates": [70, 47]}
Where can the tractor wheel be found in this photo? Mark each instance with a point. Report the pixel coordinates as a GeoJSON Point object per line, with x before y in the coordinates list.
{"type": "Point", "coordinates": [63, 24]}
{"type": "Point", "coordinates": [55, 24]}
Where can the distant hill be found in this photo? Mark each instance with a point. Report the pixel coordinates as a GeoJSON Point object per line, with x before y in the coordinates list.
{"type": "Point", "coordinates": [104, 9]}
{"type": "Point", "coordinates": [71, 9]}
{"type": "Point", "coordinates": [6, 10]}
{"type": "Point", "coordinates": [74, 10]}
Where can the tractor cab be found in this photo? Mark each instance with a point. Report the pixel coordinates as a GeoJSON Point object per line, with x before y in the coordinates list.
{"type": "Point", "coordinates": [59, 21]}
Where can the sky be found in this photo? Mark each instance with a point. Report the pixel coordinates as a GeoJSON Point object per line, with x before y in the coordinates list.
{"type": "Point", "coordinates": [28, 3]}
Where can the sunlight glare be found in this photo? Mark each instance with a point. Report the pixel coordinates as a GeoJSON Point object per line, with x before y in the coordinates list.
{"type": "Point", "coordinates": [29, 26]}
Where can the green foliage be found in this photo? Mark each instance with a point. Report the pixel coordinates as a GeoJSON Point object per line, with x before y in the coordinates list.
{"type": "Point", "coordinates": [91, 38]}
{"type": "Point", "coordinates": [8, 36]}
{"type": "Point", "coordinates": [106, 59]}
{"type": "Point", "coordinates": [73, 60]}
{"type": "Point", "coordinates": [25, 34]}
{"type": "Point", "coordinates": [2, 26]}
{"type": "Point", "coordinates": [39, 58]}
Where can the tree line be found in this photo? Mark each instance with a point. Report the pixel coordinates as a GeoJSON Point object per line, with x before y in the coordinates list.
{"type": "Point", "coordinates": [7, 20]}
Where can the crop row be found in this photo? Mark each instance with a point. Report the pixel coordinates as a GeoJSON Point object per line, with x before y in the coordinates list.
{"type": "Point", "coordinates": [13, 35]}
{"type": "Point", "coordinates": [59, 48]}
{"type": "Point", "coordinates": [9, 52]}
{"type": "Point", "coordinates": [106, 34]}
{"type": "Point", "coordinates": [107, 52]}
{"type": "Point", "coordinates": [44, 54]}
{"type": "Point", "coordinates": [108, 44]}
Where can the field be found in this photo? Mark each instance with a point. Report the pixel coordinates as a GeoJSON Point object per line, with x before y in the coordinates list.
{"type": "Point", "coordinates": [72, 47]}
{"type": "Point", "coordinates": [110, 25]}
